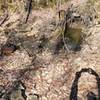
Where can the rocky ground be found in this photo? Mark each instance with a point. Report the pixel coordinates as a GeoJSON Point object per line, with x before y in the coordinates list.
{"type": "Point", "coordinates": [39, 70]}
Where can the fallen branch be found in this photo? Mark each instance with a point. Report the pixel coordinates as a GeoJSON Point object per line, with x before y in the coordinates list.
{"type": "Point", "coordinates": [74, 88]}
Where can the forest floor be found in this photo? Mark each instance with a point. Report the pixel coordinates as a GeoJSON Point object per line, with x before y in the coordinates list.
{"type": "Point", "coordinates": [36, 70]}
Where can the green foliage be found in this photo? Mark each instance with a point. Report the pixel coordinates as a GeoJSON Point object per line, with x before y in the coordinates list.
{"type": "Point", "coordinates": [9, 5]}
{"type": "Point", "coordinates": [17, 5]}
{"type": "Point", "coordinates": [92, 1]}
{"type": "Point", "coordinates": [45, 3]}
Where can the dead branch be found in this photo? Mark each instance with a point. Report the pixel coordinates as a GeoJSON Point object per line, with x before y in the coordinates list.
{"type": "Point", "coordinates": [74, 88]}
{"type": "Point", "coordinates": [4, 19]}
{"type": "Point", "coordinates": [29, 4]}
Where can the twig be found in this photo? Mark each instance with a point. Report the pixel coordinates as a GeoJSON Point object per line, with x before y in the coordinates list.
{"type": "Point", "coordinates": [5, 18]}
{"type": "Point", "coordinates": [64, 26]}
{"type": "Point", "coordinates": [63, 36]}
{"type": "Point", "coordinates": [28, 10]}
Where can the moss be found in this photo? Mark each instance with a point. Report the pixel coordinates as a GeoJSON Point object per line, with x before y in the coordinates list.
{"type": "Point", "coordinates": [74, 35]}
{"type": "Point", "coordinates": [16, 95]}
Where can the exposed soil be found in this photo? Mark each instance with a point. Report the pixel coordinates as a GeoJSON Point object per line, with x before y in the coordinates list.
{"type": "Point", "coordinates": [37, 66]}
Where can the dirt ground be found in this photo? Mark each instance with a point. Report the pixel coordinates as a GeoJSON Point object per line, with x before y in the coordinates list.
{"type": "Point", "coordinates": [34, 71]}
